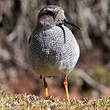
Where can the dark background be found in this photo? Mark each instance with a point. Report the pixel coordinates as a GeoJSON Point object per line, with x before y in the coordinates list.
{"type": "Point", "coordinates": [91, 77]}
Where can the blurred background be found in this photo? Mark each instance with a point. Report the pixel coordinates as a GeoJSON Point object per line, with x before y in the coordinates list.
{"type": "Point", "coordinates": [91, 76]}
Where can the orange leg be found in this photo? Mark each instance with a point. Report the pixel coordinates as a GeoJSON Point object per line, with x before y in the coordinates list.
{"type": "Point", "coordinates": [46, 87]}
{"type": "Point", "coordinates": [66, 87]}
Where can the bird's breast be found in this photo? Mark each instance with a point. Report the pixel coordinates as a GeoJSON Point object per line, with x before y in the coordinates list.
{"type": "Point", "coordinates": [53, 50]}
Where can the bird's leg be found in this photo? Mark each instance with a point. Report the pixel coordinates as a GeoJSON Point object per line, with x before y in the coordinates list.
{"type": "Point", "coordinates": [46, 87]}
{"type": "Point", "coordinates": [66, 87]}
{"type": "Point", "coordinates": [40, 76]}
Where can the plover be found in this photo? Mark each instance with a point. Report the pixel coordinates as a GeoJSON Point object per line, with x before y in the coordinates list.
{"type": "Point", "coordinates": [52, 48]}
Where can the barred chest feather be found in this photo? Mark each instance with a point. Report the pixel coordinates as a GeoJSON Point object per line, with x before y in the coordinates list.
{"type": "Point", "coordinates": [53, 51]}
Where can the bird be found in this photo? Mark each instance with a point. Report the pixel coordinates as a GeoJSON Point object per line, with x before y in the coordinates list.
{"type": "Point", "coordinates": [52, 48]}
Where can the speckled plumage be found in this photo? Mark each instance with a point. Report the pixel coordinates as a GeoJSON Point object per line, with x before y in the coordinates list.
{"type": "Point", "coordinates": [53, 49]}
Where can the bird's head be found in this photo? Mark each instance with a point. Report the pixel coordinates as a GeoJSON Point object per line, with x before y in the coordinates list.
{"type": "Point", "coordinates": [52, 15]}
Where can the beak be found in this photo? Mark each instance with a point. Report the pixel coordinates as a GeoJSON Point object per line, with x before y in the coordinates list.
{"type": "Point", "coordinates": [72, 24]}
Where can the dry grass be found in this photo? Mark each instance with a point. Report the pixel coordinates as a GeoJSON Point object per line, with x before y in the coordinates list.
{"type": "Point", "coordinates": [32, 102]}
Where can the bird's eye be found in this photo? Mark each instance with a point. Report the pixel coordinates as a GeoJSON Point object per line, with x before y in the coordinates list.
{"type": "Point", "coordinates": [47, 12]}
{"type": "Point", "coordinates": [50, 13]}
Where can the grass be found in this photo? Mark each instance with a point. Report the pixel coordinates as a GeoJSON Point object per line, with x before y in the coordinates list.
{"type": "Point", "coordinates": [32, 102]}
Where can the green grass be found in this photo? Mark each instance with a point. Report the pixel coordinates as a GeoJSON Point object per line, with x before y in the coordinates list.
{"type": "Point", "coordinates": [32, 102]}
